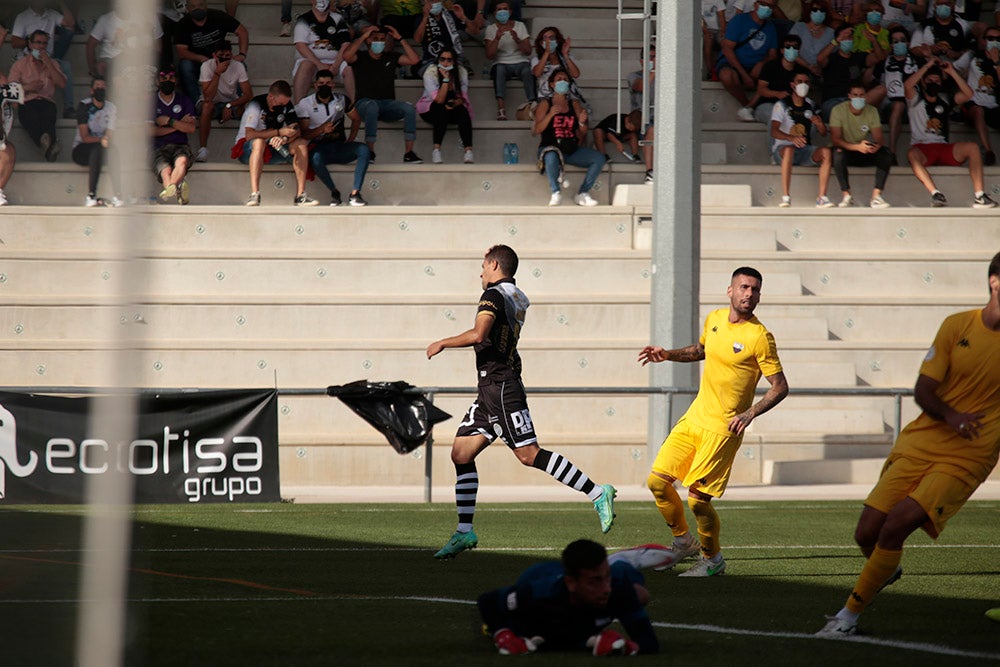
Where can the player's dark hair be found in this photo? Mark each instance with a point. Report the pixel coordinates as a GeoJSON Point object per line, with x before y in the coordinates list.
{"type": "Point", "coordinates": [995, 266]}
{"type": "Point", "coordinates": [793, 40]}
{"type": "Point", "coordinates": [280, 87]}
{"type": "Point", "coordinates": [748, 271]}
{"type": "Point", "coordinates": [582, 555]}
{"type": "Point", "coordinates": [505, 257]}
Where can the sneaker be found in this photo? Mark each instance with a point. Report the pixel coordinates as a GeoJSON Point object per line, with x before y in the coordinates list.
{"type": "Point", "coordinates": [458, 543]}
{"type": "Point", "coordinates": [846, 202]}
{"type": "Point", "coordinates": [878, 202]}
{"type": "Point", "coordinates": [838, 627]}
{"type": "Point", "coordinates": [171, 191]}
{"type": "Point", "coordinates": [678, 551]}
{"type": "Point", "coordinates": [202, 155]}
{"type": "Point", "coordinates": [183, 193]}
{"type": "Point", "coordinates": [335, 198]}
{"type": "Point", "coordinates": [824, 202]}
{"type": "Point", "coordinates": [584, 199]}
{"type": "Point", "coordinates": [605, 506]}
{"type": "Point", "coordinates": [786, 201]}
{"type": "Point", "coordinates": [436, 156]}
{"type": "Point", "coordinates": [649, 176]}
{"type": "Point", "coordinates": [3, 198]}
{"type": "Point", "coordinates": [628, 156]}
{"type": "Point", "coordinates": [52, 153]}
{"type": "Point", "coordinates": [91, 201]}
{"type": "Point", "coordinates": [983, 201]}
{"type": "Point", "coordinates": [410, 157]}
{"type": "Point", "coordinates": [305, 200]}
{"type": "Point", "coordinates": [469, 156]}
{"type": "Point", "coordinates": [371, 157]}
{"type": "Point", "coordinates": [253, 199]}
{"type": "Point", "coordinates": [116, 202]}
{"type": "Point", "coordinates": [555, 199]}
{"type": "Point", "coordinates": [989, 158]}
{"type": "Point", "coordinates": [705, 567]}
{"type": "Point", "coordinates": [356, 200]}
{"type": "Point", "coordinates": [286, 30]}
{"type": "Point", "coordinates": [938, 199]}
{"type": "Point", "coordinates": [746, 115]}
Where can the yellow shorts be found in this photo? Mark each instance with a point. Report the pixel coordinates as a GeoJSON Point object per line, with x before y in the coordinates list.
{"type": "Point", "coordinates": [700, 459]}
{"type": "Point", "coordinates": [934, 486]}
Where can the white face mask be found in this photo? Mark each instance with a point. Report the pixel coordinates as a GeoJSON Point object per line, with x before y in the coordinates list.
{"type": "Point", "coordinates": [802, 89]}
{"type": "Point", "coordinates": [322, 5]}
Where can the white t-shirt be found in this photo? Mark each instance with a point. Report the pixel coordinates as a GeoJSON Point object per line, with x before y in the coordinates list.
{"type": "Point", "coordinates": [28, 22]}
{"type": "Point", "coordinates": [928, 120]}
{"type": "Point", "coordinates": [324, 46]}
{"type": "Point", "coordinates": [112, 32]}
{"type": "Point", "coordinates": [544, 90]}
{"type": "Point", "coordinates": [982, 85]}
{"type": "Point", "coordinates": [318, 112]}
{"type": "Point", "coordinates": [99, 121]}
{"type": "Point", "coordinates": [742, 6]}
{"type": "Point", "coordinates": [792, 120]}
{"type": "Point", "coordinates": [228, 90]}
{"type": "Point", "coordinates": [507, 51]}
{"type": "Point", "coordinates": [710, 12]}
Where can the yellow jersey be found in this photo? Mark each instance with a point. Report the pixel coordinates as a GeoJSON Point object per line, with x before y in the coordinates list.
{"type": "Point", "coordinates": [736, 355]}
{"type": "Point", "coordinates": [965, 359]}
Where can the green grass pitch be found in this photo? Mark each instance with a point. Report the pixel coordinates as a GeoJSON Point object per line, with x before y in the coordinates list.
{"type": "Point", "coordinates": [302, 585]}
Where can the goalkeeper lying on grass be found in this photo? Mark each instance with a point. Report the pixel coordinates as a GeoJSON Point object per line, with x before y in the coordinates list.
{"type": "Point", "coordinates": [569, 605]}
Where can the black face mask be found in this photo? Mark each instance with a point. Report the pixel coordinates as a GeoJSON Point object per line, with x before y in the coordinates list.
{"type": "Point", "coordinates": [99, 95]}
{"type": "Point", "coordinates": [225, 60]}
{"type": "Point", "coordinates": [932, 88]}
{"type": "Point", "coordinates": [324, 92]}
{"type": "Point", "coordinates": [199, 14]}
{"type": "Point", "coordinates": [168, 87]}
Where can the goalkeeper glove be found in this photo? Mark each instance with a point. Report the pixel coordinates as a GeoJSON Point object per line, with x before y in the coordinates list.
{"type": "Point", "coordinates": [609, 642]}
{"type": "Point", "coordinates": [508, 643]}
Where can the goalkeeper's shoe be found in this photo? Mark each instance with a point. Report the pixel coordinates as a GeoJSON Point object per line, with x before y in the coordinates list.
{"type": "Point", "coordinates": [838, 627]}
{"type": "Point", "coordinates": [705, 567]}
{"type": "Point", "coordinates": [682, 547]}
{"type": "Point", "coordinates": [458, 543]}
{"type": "Point", "coordinates": [605, 506]}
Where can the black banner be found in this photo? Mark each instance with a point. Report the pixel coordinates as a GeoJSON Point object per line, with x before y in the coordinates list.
{"type": "Point", "coordinates": [195, 447]}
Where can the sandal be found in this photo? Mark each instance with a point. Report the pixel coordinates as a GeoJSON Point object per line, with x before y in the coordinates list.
{"type": "Point", "coordinates": [501, 114]}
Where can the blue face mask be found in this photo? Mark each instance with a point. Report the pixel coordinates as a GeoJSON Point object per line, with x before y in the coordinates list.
{"type": "Point", "coordinates": [992, 44]}
{"type": "Point", "coordinates": [874, 18]}
{"type": "Point", "coordinates": [942, 11]}
{"type": "Point", "coordinates": [36, 54]}
{"type": "Point", "coordinates": [764, 12]}
{"type": "Point", "coordinates": [858, 103]}
{"type": "Point", "coordinates": [847, 45]}
{"type": "Point", "coordinates": [437, 8]}
{"type": "Point", "coordinates": [553, 45]}
{"type": "Point", "coordinates": [561, 87]}
{"type": "Point", "coordinates": [503, 16]}
{"type": "Point", "coordinates": [790, 53]}
{"type": "Point", "coordinates": [818, 16]}
{"type": "Point", "coordinates": [899, 48]}
{"type": "Point", "coordinates": [446, 68]}
{"type": "Point", "coordinates": [376, 47]}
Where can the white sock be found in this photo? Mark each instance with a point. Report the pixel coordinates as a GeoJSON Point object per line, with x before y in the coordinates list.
{"type": "Point", "coordinates": [846, 614]}
{"type": "Point", "coordinates": [979, 193]}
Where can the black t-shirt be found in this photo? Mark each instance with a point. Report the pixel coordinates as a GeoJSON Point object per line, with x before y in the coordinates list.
{"type": "Point", "coordinates": [202, 39]}
{"type": "Point", "coordinates": [610, 125]}
{"type": "Point", "coordinates": [840, 72]}
{"type": "Point", "coordinates": [497, 357]}
{"type": "Point", "coordinates": [276, 118]}
{"type": "Point", "coordinates": [952, 32]}
{"type": "Point", "coordinates": [778, 78]}
{"type": "Point", "coordinates": [334, 30]}
{"type": "Point", "coordinates": [375, 78]}
{"type": "Point", "coordinates": [437, 38]}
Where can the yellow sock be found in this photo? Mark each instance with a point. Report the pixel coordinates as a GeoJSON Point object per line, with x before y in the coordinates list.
{"type": "Point", "coordinates": [878, 568]}
{"type": "Point", "coordinates": [669, 504]}
{"type": "Point", "coordinates": [708, 525]}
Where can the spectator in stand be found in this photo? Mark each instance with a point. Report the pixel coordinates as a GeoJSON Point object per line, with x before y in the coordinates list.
{"type": "Point", "coordinates": [750, 43]}
{"type": "Point", "coordinates": [321, 119]}
{"type": "Point", "coordinates": [225, 91]}
{"type": "Point", "coordinates": [984, 79]}
{"type": "Point", "coordinates": [198, 35]}
{"type": "Point", "coordinates": [59, 25]}
{"type": "Point", "coordinates": [39, 75]}
{"type": "Point", "coordinates": [792, 123]}
{"type": "Point", "coordinates": [508, 45]}
{"type": "Point", "coordinates": [856, 134]}
{"type": "Point", "coordinates": [170, 14]}
{"type": "Point", "coordinates": [269, 134]}
{"type": "Point", "coordinates": [945, 36]}
{"type": "Point", "coordinates": [8, 154]}
{"type": "Point", "coordinates": [440, 30]}
{"type": "Point", "coordinates": [286, 15]}
{"type": "Point", "coordinates": [173, 120]}
{"type": "Point", "coordinates": [930, 109]}
{"type": "Point", "coordinates": [871, 37]}
{"type": "Point", "coordinates": [359, 14]}
{"type": "Point", "coordinates": [619, 129]}
{"type": "Point", "coordinates": [637, 80]}
{"type": "Point", "coordinates": [95, 125]}
{"type": "Point", "coordinates": [908, 14]}
{"type": "Point", "coordinates": [551, 53]}
{"type": "Point", "coordinates": [403, 15]}
{"type": "Point", "coordinates": [561, 122]}
{"type": "Point", "coordinates": [891, 74]}
{"type": "Point", "coordinates": [375, 72]}
{"type": "Point", "coordinates": [775, 79]}
{"type": "Point", "coordinates": [839, 13]}
{"type": "Point", "coordinates": [108, 38]}
{"type": "Point", "coordinates": [319, 36]}
{"type": "Point", "coordinates": [815, 35]}
{"type": "Point", "coordinates": [841, 65]}
{"type": "Point", "coordinates": [713, 27]}
{"type": "Point", "coordinates": [446, 102]}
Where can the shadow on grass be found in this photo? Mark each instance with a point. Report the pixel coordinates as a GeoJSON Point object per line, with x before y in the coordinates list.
{"type": "Point", "coordinates": [348, 584]}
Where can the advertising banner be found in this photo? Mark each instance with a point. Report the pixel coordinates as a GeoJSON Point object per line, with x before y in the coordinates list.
{"type": "Point", "coordinates": [189, 447]}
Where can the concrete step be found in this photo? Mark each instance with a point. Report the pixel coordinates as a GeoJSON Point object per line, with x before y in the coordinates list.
{"type": "Point", "coordinates": [846, 471]}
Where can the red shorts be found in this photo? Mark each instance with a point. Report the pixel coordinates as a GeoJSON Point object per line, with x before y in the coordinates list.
{"type": "Point", "coordinates": [939, 154]}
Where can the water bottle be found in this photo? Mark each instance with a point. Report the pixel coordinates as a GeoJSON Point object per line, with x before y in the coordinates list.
{"type": "Point", "coordinates": [283, 151]}
{"type": "Point", "coordinates": [510, 153]}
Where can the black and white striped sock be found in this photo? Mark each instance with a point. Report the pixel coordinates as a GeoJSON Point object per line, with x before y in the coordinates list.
{"type": "Point", "coordinates": [564, 471]}
{"type": "Point", "coordinates": [466, 488]}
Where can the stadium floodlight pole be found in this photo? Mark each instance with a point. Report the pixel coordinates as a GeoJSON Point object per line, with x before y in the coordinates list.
{"type": "Point", "coordinates": [101, 612]}
{"type": "Point", "coordinates": [676, 249]}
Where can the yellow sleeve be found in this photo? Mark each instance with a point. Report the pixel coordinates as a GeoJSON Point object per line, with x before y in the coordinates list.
{"type": "Point", "coordinates": [937, 359]}
{"type": "Point", "coordinates": [767, 355]}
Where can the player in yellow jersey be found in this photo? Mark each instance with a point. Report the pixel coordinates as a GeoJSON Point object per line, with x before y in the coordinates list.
{"type": "Point", "coordinates": [700, 449]}
{"type": "Point", "coordinates": [941, 457]}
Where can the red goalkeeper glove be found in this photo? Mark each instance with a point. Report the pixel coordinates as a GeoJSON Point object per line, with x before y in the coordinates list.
{"type": "Point", "coordinates": [508, 643]}
{"type": "Point", "coordinates": [609, 642]}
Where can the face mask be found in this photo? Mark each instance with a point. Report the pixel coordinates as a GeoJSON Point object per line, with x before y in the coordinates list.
{"type": "Point", "coordinates": [36, 54]}
{"type": "Point", "coordinates": [446, 68]}
{"type": "Point", "coordinates": [168, 87]}
{"type": "Point", "coordinates": [199, 14]}
{"type": "Point", "coordinates": [99, 95]}
{"type": "Point", "coordinates": [437, 8]}
{"type": "Point", "coordinates": [992, 44]}
{"type": "Point", "coordinates": [324, 92]}
{"type": "Point", "coordinates": [899, 48]}
{"type": "Point", "coordinates": [791, 53]}
{"type": "Point", "coordinates": [802, 89]}
{"type": "Point", "coordinates": [847, 45]}
{"type": "Point", "coordinates": [376, 47]}
{"type": "Point", "coordinates": [651, 65]}
{"type": "Point", "coordinates": [817, 16]}
{"type": "Point", "coordinates": [224, 59]}
{"type": "Point", "coordinates": [553, 45]}
{"type": "Point", "coordinates": [503, 16]}
{"type": "Point", "coordinates": [942, 11]}
{"type": "Point", "coordinates": [874, 18]}
{"type": "Point", "coordinates": [858, 103]}
{"type": "Point", "coordinates": [322, 5]}
{"type": "Point", "coordinates": [764, 12]}
{"type": "Point", "coordinates": [932, 88]}
{"type": "Point", "coordinates": [561, 87]}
